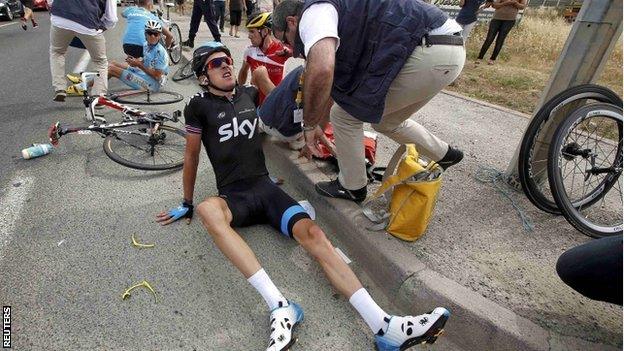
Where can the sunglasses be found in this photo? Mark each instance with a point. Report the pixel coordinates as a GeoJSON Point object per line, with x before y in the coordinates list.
{"type": "Point", "coordinates": [152, 33]}
{"type": "Point", "coordinates": [218, 61]}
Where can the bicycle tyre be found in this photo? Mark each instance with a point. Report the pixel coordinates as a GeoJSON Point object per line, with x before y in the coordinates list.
{"type": "Point", "coordinates": [532, 189]}
{"type": "Point", "coordinates": [572, 210]}
{"type": "Point", "coordinates": [183, 72]}
{"type": "Point", "coordinates": [175, 54]}
{"type": "Point", "coordinates": [112, 147]}
{"type": "Point", "coordinates": [153, 98]}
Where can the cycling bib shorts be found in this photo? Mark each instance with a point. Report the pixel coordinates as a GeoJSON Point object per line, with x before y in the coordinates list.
{"type": "Point", "coordinates": [137, 79]}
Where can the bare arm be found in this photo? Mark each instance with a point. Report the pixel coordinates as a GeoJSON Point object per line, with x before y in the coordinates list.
{"type": "Point", "coordinates": [242, 74]}
{"type": "Point", "coordinates": [462, 3]}
{"type": "Point", "coordinates": [499, 4]}
{"type": "Point", "coordinates": [520, 5]}
{"type": "Point", "coordinates": [318, 81]}
{"type": "Point", "coordinates": [191, 160]}
{"type": "Point", "coordinates": [168, 37]}
{"type": "Point", "coordinates": [152, 72]}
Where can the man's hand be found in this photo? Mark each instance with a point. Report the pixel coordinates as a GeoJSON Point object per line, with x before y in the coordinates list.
{"type": "Point", "coordinates": [134, 62]}
{"type": "Point", "coordinates": [184, 210]}
{"type": "Point", "coordinates": [312, 139]}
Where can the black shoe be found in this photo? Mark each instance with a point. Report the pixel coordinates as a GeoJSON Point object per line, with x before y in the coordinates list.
{"type": "Point", "coordinates": [453, 156]}
{"type": "Point", "coordinates": [60, 95]}
{"type": "Point", "coordinates": [190, 43]}
{"type": "Point", "coordinates": [334, 189]}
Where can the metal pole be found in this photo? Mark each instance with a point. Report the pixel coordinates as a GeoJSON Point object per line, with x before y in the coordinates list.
{"type": "Point", "coordinates": [592, 38]}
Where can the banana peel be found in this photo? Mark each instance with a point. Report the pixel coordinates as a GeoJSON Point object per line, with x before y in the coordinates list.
{"type": "Point", "coordinates": [135, 243]}
{"type": "Point", "coordinates": [144, 284]}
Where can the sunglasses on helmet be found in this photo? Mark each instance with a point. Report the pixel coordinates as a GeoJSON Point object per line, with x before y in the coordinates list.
{"type": "Point", "coordinates": [218, 61]}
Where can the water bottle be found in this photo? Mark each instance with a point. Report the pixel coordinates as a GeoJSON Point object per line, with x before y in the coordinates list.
{"type": "Point", "coordinates": [36, 150]}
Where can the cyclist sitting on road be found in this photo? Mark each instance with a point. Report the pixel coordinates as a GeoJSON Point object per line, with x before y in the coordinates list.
{"type": "Point", "coordinates": [137, 17]}
{"type": "Point", "coordinates": [265, 56]}
{"type": "Point", "coordinates": [147, 73]}
{"type": "Point", "coordinates": [224, 119]}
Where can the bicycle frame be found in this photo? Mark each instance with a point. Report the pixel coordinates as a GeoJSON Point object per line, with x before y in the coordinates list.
{"type": "Point", "coordinates": [99, 124]}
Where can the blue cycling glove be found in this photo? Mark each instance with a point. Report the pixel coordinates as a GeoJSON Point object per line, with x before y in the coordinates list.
{"type": "Point", "coordinates": [184, 210]}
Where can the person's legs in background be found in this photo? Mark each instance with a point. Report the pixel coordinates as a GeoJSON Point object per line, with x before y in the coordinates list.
{"type": "Point", "coordinates": [196, 16]}
{"type": "Point", "coordinates": [466, 29]}
{"type": "Point", "coordinates": [491, 34]}
{"type": "Point", "coordinates": [250, 8]}
{"type": "Point", "coordinates": [209, 17]}
{"type": "Point", "coordinates": [505, 28]}
{"type": "Point", "coordinates": [220, 14]}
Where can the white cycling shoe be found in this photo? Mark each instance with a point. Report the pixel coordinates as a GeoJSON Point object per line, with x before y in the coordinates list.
{"type": "Point", "coordinates": [283, 323]}
{"type": "Point", "coordinates": [405, 332]}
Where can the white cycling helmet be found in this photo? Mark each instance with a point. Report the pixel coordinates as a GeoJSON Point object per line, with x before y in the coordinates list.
{"type": "Point", "coordinates": [153, 26]}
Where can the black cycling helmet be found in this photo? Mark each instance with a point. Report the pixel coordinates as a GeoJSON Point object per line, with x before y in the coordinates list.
{"type": "Point", "coordinates": [201, 54]}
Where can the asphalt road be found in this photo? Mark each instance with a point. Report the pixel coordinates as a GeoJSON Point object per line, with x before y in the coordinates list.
{"type": "Point", "coordinates": [66, 222]}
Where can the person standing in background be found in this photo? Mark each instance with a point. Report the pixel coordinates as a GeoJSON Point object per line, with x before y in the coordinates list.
{"type": "Point", "coordinates": [87, 20]}
{"type": "Point", "coordinates": [467, 16]}
{"type": "Point", "coordinates": [503, 20]}
{"type": "Point", "coordinates": [236, 13]}
{"type": "Point", "coordinates": [220, 14]}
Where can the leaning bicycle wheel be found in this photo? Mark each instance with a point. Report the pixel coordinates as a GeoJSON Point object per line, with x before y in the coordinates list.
{"type": "Point", "coordinates": [134, 147]}
{"type": "Point", "coordinates": [183, 72]}
{"type": "Point", "coordinates": [144, 97]}
{"type": "Point", "coordinates": [533, 164]}
{"type": "Point", "coordinates": [585, 168]}
{"type": "Point", "coordinates": [175, 53]}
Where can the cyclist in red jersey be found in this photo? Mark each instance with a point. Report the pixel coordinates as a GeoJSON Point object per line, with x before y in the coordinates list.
{"type": "Point", "coordinates": [265, 56]}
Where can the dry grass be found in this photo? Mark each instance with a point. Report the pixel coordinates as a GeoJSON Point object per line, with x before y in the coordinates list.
{"type": "Point", "coordinates": [525, 63]}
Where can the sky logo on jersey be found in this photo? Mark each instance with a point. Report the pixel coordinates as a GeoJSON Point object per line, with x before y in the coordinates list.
{"type": "Point", "coordinates": [229, 130]}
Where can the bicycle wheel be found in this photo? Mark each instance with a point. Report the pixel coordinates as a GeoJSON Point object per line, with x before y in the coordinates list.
{"type": "Point", "coordinates": [585, 168]}
{"type": "Point", "coordinates": [183, 72]}
{"type": "Point", "coordinates": [133, 147]}
{"type": "Point", "coordinates": [533, 166]}
{"type": "Point", "coordinates": [148, 98]}
{"type": "Point", "coordinates": [175, 53]}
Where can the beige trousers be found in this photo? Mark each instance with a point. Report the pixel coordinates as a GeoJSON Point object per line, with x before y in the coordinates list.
{"type": "Point", "coordinates": [427, 71]}
{"type": "Point", "coordinates": [95, 44]}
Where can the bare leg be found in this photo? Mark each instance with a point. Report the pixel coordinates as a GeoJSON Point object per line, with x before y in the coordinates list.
{"type": "Point", "coordinates": [216, 217]}
{"type": "Point", "coordinates": [115, 69]}
{"type": "Point", "coordinates": [313, 240]}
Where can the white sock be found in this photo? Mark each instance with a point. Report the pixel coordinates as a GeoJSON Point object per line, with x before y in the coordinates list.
{"type": "Point", "coordinates": [373, 315]}
{"type": "Point", "coordinates": [261, 281]}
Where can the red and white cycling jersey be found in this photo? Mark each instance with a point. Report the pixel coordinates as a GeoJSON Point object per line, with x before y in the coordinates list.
{"type": "Point", "coordinates": [273, 59]}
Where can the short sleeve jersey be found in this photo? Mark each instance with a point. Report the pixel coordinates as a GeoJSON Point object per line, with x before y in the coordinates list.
{"type": "Point", "coordinates": [136, 17]}
{"type": "Point", "coordinates": [156, 57]}
{"type": "Point", "coordinates": [273, 59]}
{"type": "Point", "coordinates": [229, 131]}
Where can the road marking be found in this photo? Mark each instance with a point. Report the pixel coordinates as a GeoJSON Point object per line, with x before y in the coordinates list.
{"type": "Point", "coordinates": [343, 256]}
{"type": "Point", "coordinates": [8, 24]}
{"type": "Point", "coordinates": [11, 204]}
